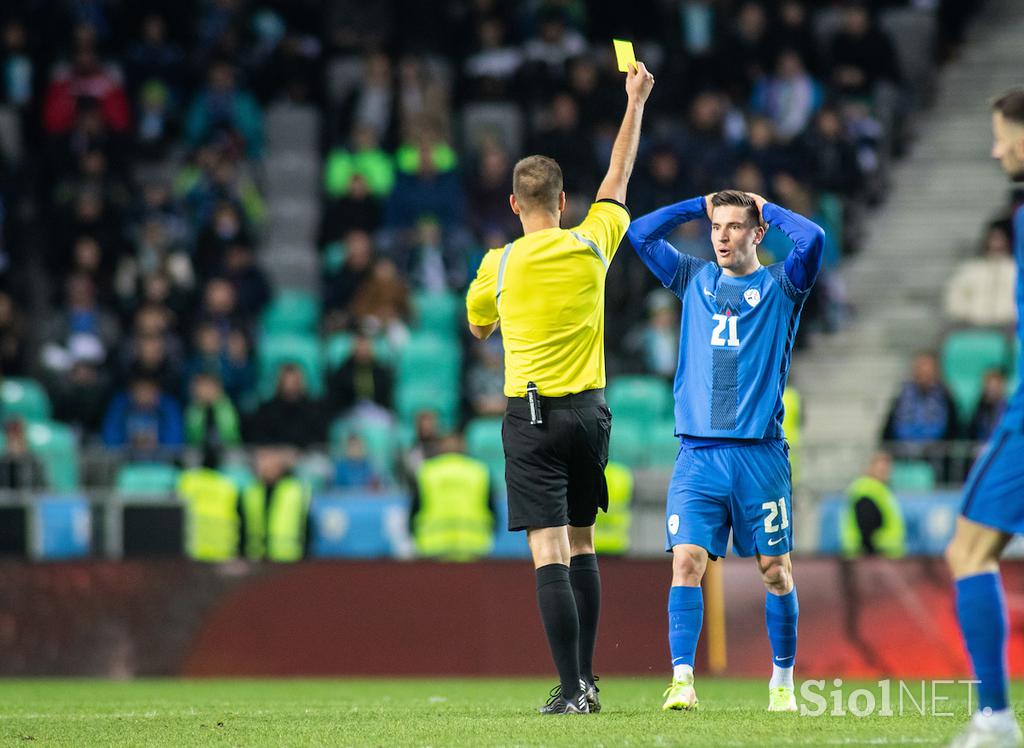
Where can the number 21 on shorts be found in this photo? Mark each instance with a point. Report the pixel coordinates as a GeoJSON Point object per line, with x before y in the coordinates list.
{"type": "Point", "coordinates": [776, 511]}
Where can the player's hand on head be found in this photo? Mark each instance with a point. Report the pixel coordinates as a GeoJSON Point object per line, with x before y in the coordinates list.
{"type": "Point", "coordinates": [639, 82]}
{"type": "Point", "coordinates": [707, 203]}
{"type": "Point", "coordinates": [759, 201]}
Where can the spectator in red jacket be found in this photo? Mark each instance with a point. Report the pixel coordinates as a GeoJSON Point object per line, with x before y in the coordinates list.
{"type": "Point", "coordinates": [86, 78]}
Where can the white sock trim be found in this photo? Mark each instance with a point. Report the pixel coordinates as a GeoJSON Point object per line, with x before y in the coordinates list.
{"type": "Point", "coordinates": [781, 677]}
{"type": "Point", "coordinates": [682, 672]}
{"type": "Point", "coordinates": [996, 716]}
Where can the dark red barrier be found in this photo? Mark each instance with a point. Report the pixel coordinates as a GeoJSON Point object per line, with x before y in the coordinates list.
{"type": "Point", "coordinates": [876, 618]}
{"type": "Point", "coordinates": [385, 618]}
{"type": "Point", "coordinates": [106, 618]}
{"type": "Point", "coordinates": [421, 619]}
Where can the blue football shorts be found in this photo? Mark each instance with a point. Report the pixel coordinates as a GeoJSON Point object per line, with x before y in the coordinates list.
{"type": "Point", "coordinates": [745, 489]}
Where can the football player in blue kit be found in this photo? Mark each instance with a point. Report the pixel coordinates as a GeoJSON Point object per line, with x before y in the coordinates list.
{"type": "Point", "coordinates": [737, 327]}
{"type": "Point", "coordinates": [993, 502]}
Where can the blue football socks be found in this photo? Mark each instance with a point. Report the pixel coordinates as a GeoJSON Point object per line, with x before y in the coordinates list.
{"type": "Point", "coordinates": [685, 617]}
{"type": "Point", "coordinates": [981, 608]}
{"type": "Point", "coordinates": [781, 613]}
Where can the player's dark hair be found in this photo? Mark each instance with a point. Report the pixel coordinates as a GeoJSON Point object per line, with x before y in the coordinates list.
{"type": "Point", "coordinates": [740, 200]}
{"type": "Point", "coordinates": [1011, 105]}
{"type": "Point", "coordinates": [537, 183]}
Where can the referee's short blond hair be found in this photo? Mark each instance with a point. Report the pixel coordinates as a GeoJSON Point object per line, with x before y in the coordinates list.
{"type": "Point", "coordinates": [537, 183]}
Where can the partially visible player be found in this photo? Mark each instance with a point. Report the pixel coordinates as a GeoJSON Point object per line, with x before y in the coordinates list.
{"type": "Point", "coordinates": [993, 504]}
{"type": "Point", "coordinates": [738, 323]}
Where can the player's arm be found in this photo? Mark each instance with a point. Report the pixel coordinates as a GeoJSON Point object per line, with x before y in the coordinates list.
{"type": "Point", "coordinates": [638, 87]}
{"type": "Point", "coordinates": [647, 235]}
{"type": "Point", "coordinates": [804, 262]}
{"type": "Point", "coordinates": [482, 332]}
{"type": "Point", "coordinates": [481, 298]}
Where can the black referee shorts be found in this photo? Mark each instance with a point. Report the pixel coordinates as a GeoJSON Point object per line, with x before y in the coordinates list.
{"type": "Point", "coordinates": [555, 471]}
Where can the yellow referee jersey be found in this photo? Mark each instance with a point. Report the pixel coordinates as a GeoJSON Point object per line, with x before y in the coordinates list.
{"type": "Point", "coordinates": [547, 288]}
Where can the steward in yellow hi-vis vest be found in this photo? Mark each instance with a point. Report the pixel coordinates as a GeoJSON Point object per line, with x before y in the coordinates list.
{"type": "Point", "coordinates": [211, 514]}
{"type": "Point", "coordinates": [451, 516]}
{"type": "Point", "coordinates": [611, 536]}
{"type": "Point", "coordinates": [873, 522]}
{"type": "Point", "coordinates": [792, 425]}
{"type": "Point", "coordinates": [275, 510]}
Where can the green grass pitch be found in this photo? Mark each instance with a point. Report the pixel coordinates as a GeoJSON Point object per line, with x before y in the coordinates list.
{"type": "Point", "coordinates": [439, 712]}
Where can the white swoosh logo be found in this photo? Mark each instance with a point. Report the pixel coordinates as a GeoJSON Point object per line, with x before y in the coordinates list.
{"type": "Point", "coordinates": [776, 541]}
{"type": "Point", "coordinates": [708, 293]}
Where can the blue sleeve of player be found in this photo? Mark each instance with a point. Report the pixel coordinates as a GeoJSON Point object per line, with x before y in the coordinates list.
{"type": "Point", "coordinates": [804, 262]}
{"type": "Point", "coordinates": [646, 234]}
{"type": "Point", "coordinates": [1018, 236]}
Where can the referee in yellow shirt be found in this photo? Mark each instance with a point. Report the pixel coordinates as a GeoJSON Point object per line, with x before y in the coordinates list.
{"type": "Point", "coordinates": [546, 290]}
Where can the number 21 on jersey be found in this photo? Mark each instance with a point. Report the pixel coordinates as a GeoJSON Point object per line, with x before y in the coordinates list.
{"type": "Point", "coordinates": [723, 322]}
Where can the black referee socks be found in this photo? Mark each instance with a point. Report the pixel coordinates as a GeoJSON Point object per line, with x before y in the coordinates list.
{"type": "Point", "coordinates": [561, 624]}
{"type": "Point", "coordinates": [586, 588]}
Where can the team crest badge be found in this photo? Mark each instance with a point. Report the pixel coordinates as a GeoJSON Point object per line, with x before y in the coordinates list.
{"type": "Point", "coordinates": [752, 296]}
{"type": "Point", "coordinates": [673, 524]}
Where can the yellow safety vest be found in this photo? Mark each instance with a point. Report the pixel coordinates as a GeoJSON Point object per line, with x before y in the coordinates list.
{"type": "Point", "coordinates": [211, 526]}
{"type": "Point", "coordinates": [890, 538]}
{"type": "Point", "coordinates": [792, 403]}
{"type": "Point", "coordinates": [276, 531]}
{"type": "Point", "coordinates": [454, 521]}
{"type": "Point", "coordinates": [611, 534]}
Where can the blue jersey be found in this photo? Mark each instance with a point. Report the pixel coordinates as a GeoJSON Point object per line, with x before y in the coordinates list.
{"type": "Point", "coordinates": [736, 334]}
{"type": "Point", "coordinates": [1013, 418]}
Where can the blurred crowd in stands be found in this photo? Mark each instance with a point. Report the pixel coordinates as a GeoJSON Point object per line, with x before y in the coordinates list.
{"type": "Point", "coordinates": [959, 393]}
{"type": "Point", "coordinates": [134, 281]}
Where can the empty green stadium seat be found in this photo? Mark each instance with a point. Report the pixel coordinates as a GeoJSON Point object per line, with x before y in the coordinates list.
{"type": "Point", "coordinates": [966, 356]}
{"type": "Point", "coordinates": [429, 357]}
{"type": "Point", "coordinates": [380, 437]}
{"type": "Point", "coordinates": [641, 398]}
{"type": "Point", "coordinates": [496, 471]}
{"type": "Point", "coordinates": [24, 398]}
{"type": "Point", "coordinates": [912, 475]}
{"type": "Point", "coordinates": [483, 440]}
{"type": "Point", "coordinates": [383, 351]}
{"type": "Point", "coordinates": [57, 448]}
{"type": "Point", "coordinates": [406, 434]}
{"type": "Point", "coordinates": [662, 444]}
{"type": "Point", "coordinates": [277, 350]}
{"type": "Point", "coordinates": [146, 479]}
{"type": "Point", "coordinates": [337, 350]}
{"type": "Point", "coordinates": [437, 313]}
{"type": "Point", "coordinates": [427, 394]}
{"type": "Point", "coordinates": [628, 443]}
{"type": "Point", "coordinates": [291, 312]}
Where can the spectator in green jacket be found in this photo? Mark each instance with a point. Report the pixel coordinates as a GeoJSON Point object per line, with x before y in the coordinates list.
{"type": "Point", "coordinates": [211, 419]}
{"type": "Point", "coordinates": [365, 158]}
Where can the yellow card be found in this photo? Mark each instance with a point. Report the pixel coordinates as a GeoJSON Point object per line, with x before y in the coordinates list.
{"type": "Point", "coordinates": [624, 54]}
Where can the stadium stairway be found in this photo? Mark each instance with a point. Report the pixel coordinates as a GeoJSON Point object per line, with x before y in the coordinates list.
{"type": "Point", "coordinates": [940, 197]}
{"type": "Point", "coordinates": [292, 182]}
